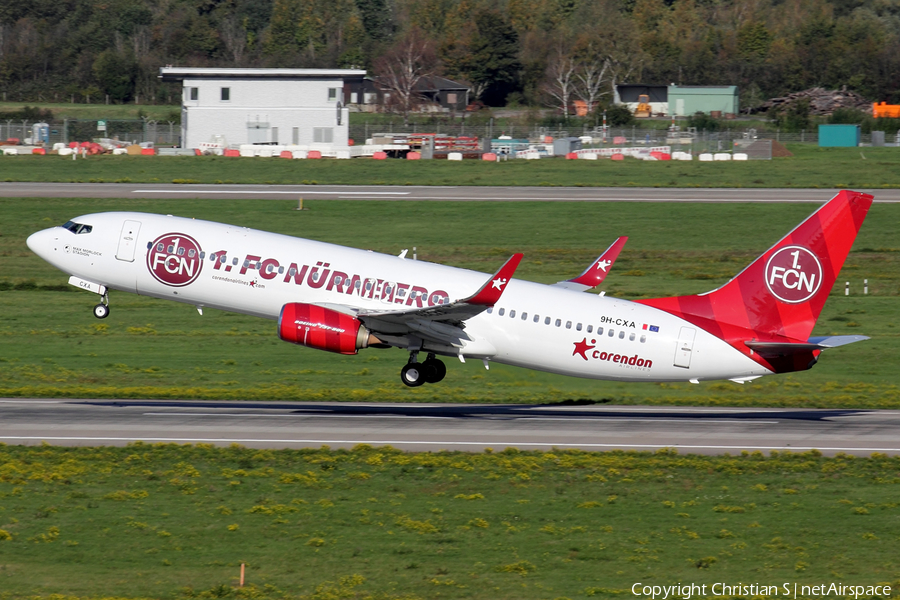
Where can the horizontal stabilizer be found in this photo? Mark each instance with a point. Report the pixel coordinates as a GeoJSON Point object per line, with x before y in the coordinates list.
{"type": "Point", "coordinates": [773, 349]}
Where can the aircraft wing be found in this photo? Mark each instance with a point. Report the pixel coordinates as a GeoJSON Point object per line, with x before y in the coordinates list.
{"type": "Point", "coordinates": [599, 269]}
{"type": "Point", "coordinates": [443, 323]}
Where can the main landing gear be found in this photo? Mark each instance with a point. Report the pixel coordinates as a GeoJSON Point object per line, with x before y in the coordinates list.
{"type": "Point", "coordinates": [415, 373]}
{"type": "Point", "coordinates": [101, 311]}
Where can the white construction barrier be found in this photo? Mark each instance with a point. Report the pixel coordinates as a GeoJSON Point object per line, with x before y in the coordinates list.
{"type": "Point", "coordinates": [116, 151]}
{"type": "Point", "coordinates": [591, 156]}
{"type": "Point", "coordinates": [721, 156]}
{"type": "Point", "coordinates": [739, 156]}
{"type": "Point", "coordinates": [706, 157]}
{"type": "Point", "coordinates": [299, 153]}
{"type": "Point", "coordinates": [682, 156]}
{"type": "Point", "coordinates": [68, 151]}
{"type": "Point", "coordinates": [342, 154]}
{"type": "Point", "coordinates": [10, 151]}
{"type": "Point", "coordinates": [454, 156]}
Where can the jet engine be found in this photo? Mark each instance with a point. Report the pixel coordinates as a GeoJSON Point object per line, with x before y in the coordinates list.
{"type": "Point", "coordinates": [323, 329]}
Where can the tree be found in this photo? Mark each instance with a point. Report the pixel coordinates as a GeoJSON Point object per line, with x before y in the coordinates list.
{"type": "Point", "coordinates": [116, 74]}
{"type": "Point", "coordinates": [560, 82]}
{"type": "Point", "coordinates": [590, 75]}
{"type": "Point", "coordinates": [401, 68]}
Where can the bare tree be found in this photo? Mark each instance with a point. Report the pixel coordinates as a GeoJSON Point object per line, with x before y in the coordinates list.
{"type": "Point", "coordinates": [559, 84]}
{"type": "Point", "coordinates": [234, 36]}
{"type": "Point", "coordinates": [401, 69]}
{"type": "Point", "coordinates": [591, 73]}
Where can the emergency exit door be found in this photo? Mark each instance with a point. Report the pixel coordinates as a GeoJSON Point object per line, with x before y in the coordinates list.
{"type": "Point", "coordinates": [128, 240]}
{"type": "Point", "coordinates": [685, 347]}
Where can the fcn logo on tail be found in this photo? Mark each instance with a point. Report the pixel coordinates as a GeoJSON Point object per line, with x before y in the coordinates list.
{"type": "Point", "coordinates": [793, 274]}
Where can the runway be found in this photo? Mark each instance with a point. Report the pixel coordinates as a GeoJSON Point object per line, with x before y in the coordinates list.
{"type": "Point", "coordinates": [435, 427]}
{"type": "Point", "coordinates": [423, 193]}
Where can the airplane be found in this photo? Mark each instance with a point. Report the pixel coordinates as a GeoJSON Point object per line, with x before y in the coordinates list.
{"type": "Point", "coordinates": [343, 300]}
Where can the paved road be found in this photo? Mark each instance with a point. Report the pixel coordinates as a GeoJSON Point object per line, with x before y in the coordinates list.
{"type": "Point", "coordinates": [434, 427]}
{"type": "Point", "coordinates": [453, 193]}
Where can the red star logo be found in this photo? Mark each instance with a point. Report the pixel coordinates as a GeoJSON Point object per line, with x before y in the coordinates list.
{"type": "Point", "coordinates": [581, 348]}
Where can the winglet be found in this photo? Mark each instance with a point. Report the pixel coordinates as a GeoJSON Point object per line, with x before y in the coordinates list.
{"type": "Point", "coordinates": [490, 292]}
{"type": "Point", "coordinates": [599, 269]}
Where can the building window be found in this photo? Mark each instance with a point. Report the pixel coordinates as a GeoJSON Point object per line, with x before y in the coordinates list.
{"type": "Point", "coordinates": [225, 94]}
{"type": "Point", "coordinates": [332, 94]}
{"type": "Point", "coordinates": [195, 93]}
{"type": "Point", "coordinates": [370, 98]}
{"type": "Point", "coordinates": [451, 98]}
{"type": "Point", "coordinates": [323, 135]}
{"type": "Point", "coordinates": [295, 135]}
{"type": "Point", "coordinates": [274, 135]}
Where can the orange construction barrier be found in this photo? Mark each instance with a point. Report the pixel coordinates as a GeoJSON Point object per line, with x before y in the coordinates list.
{"type": "Point", "coordinates": [618, 157]}
{"type": "Point", "coordinates": [413, 156]}
{"type": "Point", "coordinates": [232, 153]}
{"type": "Point", "coordinates": [147, 152]}
{"type": "Point", "coordinates": [38, 151]}
{"type": "Point", "coordinates": [489, 156]}
{"type": "Point", "coordinates": [314, 154]}
{"type": "Point", "coordinates": [882, 109]}
{"type": "Point", "coordinates": [287, 154]}
{"type": "Point", "coordinates": [379, 155]}
{"type": "Point", "coordinates": [571, 156]}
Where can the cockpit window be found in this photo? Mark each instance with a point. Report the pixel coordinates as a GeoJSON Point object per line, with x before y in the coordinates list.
{"type": "Point", "coordinates": [77, 228]}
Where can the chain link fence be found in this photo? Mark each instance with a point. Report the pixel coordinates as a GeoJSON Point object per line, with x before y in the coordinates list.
{"type": "Point", "coordinates": [137, 131]}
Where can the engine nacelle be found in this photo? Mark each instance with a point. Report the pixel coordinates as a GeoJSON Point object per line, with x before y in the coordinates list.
{"type": "Point", "coordinates": [322, 328]}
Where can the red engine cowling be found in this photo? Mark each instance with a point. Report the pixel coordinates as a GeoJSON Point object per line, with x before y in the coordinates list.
{"type": "Point", "coordinates": [322, 328]}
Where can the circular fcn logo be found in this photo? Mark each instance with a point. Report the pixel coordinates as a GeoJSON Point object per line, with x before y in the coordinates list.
{"type": "Point", "coordinates": [174, 259]}
{"type": "Point", "coordinates": [793, 274]}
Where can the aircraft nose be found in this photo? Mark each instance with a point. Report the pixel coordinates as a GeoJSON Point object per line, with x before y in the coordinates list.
{"type": "Point", "coordinates": [41, 242]}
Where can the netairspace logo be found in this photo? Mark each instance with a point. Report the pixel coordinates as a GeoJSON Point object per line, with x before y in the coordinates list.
{"type": "Point", "coordinates": [784, 590]}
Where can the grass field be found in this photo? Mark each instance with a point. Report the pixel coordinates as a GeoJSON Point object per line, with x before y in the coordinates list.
{"type": "Point", "coordinates": [811, 167]}
{"type": "Point", "coordinates": [165, 521]}
{"type": "Point", "coordinates": [51, 345]}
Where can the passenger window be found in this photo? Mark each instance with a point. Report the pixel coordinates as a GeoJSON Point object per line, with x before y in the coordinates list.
{"type": "Point", "coordinates": [223, 258]}
{"type": "Point", "coordinates": [280, 270]}
{"type": "Point", "coordinates": [558, 322]}
{"type": "Point", "coordinates": [547, 321]}
{"type": "Point", "coordinates": [631, 338]}
{"type": "Point", "coordinates": [181, 252]}
{"type": "Point", "coordinates": [170, 249]}
{"type": "Point", "coordinates": [611, 333]}
{"type": "Point", "coordinates": [643, 338]}
{"type": "Point", "coordinates": [622, 335]}
{"type": "Point", "coordinates": [578, 327]}
{"type": "Point", "coordinates": [489, 310]}
{"type": "Point", "coordinates": [568, 324]}
{"type": "Point", "coordinates": [599, 331]}
{"type": "Point", "coordinates": [160, 247]}
{"type": "Point", "coordinates": [537, 318]}
{"type": "Point", "coordinates": [401, 292]}
{"type": "Point", "coordinates": [234, 261]}
{"type": "Point", "coordinates": [512, 314]}
{"type": "Point", "coordinates": [524, 316]}
{"type": "Point", "coordinates": [358, 284]}
{"type": "Point", "coordinates": [338, 280]}
{"type": "Point", "coordinates": [247, 264]}
{"type": "Point", "coordinates": [502, 312]}
{"type": "Point", "coordinates": [590, 328]}
{"type": "Point", "coordinates": [293, 272]}
{"type": "Point", "coordinates": [191, 253]}
{"type": "Point", "coordinates": [368, 283]}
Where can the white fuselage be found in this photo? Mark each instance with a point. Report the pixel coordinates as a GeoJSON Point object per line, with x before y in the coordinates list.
{"type": "Point", "coordinates": [536, 326]}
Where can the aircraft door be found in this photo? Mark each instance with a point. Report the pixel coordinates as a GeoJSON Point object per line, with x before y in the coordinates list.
{"type": "Point", "coordinates": [128, 240]}
{"type": "Point", "coordinates": [685, 347]}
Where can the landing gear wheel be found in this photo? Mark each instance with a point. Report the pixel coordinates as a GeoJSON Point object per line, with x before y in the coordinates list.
{"type": "Point", "coordinates": [101, 311]}
{"type": "Point", "coordinates": [411, 374]}
{"type": "Point", "coordinates": [434, 370]}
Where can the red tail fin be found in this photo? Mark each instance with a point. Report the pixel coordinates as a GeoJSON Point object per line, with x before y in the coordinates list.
{"type": "Point", "coordinates": [781, 294]}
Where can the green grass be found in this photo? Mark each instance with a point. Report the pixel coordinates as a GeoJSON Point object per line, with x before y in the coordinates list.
{"type": "Point", "coordinates": [67, 110]}
{"type": "Point", "coordinates": [51, 345]}
{"type": "Point", "coordinates": [811, 167]}
{"type": "Point", "coordinates": [165, 521]}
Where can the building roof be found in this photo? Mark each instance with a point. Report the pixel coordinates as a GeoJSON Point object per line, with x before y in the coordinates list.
{"type": "Point", "coordinates": [170, 73]}
{"type": "Point", "coordinates": [434, 83]}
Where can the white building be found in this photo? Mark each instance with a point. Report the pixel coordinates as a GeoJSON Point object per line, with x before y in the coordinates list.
{"type": "Point", "coordinates": [263, 106]}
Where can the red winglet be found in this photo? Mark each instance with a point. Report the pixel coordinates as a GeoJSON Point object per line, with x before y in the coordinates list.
{"type": "Point", "coordinates": [599, 269]}
{"type": "Point", "coordinates": [490, 292]}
